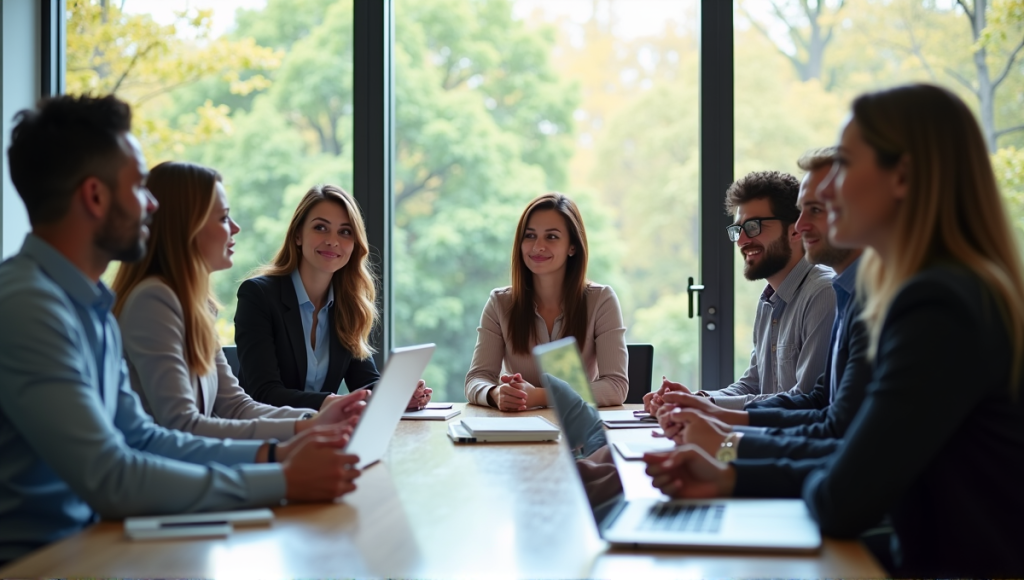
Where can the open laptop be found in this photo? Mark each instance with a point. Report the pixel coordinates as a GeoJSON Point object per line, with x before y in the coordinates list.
{"type": "Point", "coordinates": [782, 525]}
{"type": "Point", "coordinates": [385, 407]}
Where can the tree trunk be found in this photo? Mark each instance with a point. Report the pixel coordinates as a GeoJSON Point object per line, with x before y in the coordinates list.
{"type": "Point", "coordinates": [986, 89]}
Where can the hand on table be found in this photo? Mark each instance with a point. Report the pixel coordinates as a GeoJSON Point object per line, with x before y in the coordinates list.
{"type": "Point", "coordinates": [689, 472]}
{"type": "Point", "coordinates": [315, 466]}
{"type": "Point", "coordinates": [420, 398]}
{"type": "Point", "coordinates": [655, 399]}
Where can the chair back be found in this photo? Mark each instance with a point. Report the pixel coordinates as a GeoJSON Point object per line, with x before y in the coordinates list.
{"type": "Point", "coordinates": [640, 371]}
{"type": "Point", "coordinates": [231, 353]}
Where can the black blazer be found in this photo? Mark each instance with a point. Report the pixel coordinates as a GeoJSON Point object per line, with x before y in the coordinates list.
{"type": "Point", "coordinates": [272, 348]}
{"type": "Point", "coordinates": [938, 443]}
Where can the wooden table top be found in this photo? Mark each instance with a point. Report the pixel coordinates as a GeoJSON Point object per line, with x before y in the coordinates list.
{"type": "Point", "coordinates": [433, 509]}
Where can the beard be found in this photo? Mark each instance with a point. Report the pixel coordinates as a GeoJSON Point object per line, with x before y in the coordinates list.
{"type": "Point", "coordinates": [826, 254]}
{"type": "Point", "coordinates": [121, 235]}
{"type": "Point", "coordinates": [774, 258]}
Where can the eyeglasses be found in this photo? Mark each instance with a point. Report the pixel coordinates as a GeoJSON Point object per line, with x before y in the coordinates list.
{"type": "Point", "coordinates": [752, 227]}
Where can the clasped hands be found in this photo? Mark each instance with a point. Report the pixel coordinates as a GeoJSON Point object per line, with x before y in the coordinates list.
{"type": "Point", "coordinates": [515, 394]}
{"type": "Point", "coordinates": [690, 470]}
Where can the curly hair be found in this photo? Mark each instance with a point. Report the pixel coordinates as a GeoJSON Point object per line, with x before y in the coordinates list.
{"type": "Point", "coordinates": [779, 188]}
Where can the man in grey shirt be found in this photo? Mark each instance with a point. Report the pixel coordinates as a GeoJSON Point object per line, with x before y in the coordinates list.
{"type": "Point", "coordinates": [797, 307]}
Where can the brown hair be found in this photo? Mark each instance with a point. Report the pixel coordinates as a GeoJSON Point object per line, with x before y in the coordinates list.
{"type": "Point", "coordinates": [185, 192]}
{"type": "Point", "coordinates": [815, 159]}
{"type": "Point", "coordinates": [780, 189]}
{"type": "Point", "coordinates": [521, 315]}
{"type": "Point", "coordinates": [355, 292]}
{"type": "Point", "coordinates": [952, 210]}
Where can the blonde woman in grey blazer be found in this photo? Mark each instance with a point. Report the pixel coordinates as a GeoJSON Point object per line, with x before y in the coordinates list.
{"type": "Point", "coordinates": [166, 314]}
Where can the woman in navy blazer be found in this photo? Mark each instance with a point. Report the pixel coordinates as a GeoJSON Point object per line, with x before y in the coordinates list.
{"type": "Point", "coordinates": [938, 444]}
{"type": "Point", "coordinates": [303, 323]}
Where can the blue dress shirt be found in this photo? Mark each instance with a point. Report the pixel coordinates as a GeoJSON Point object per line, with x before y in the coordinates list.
{"type": "Point", "coordinates": [74, 440]}
{"type": "Point", "coordinates": [845, 285]}
{"type": "Point", "coordinates": [317, 359]}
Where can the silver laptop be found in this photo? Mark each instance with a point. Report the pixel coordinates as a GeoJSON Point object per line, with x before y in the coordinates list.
{"type": "Point", "coordinates": [782, 525]}
{"type": "Point", "coordinates": [385, 407]}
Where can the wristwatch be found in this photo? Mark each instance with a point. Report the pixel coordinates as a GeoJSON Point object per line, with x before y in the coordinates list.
{"type": "Point", "coordinates": [306, 416]}
{"type": "Point", "coordinates": [727, 453]}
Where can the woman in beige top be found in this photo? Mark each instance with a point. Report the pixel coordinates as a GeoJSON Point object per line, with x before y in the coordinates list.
{"type": "Point", "coordinates": [550, 298]}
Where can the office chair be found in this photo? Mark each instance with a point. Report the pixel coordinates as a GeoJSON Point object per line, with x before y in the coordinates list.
{"type": "Point", "coordinates": [640, 370]}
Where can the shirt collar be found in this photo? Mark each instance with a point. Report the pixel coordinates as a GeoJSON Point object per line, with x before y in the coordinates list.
{"type": "Point", "coordinates": [303, 297]}
{"type": "Point", "coordinates": [75, 284]}
{"type": "Point", "coordinates": [789, 287]}
{"type": "Point", "coordinates": [848, 279]}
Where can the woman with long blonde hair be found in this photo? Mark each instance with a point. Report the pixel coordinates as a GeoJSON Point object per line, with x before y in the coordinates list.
{"type": "Point", "coordinates": [166, 312]}
{"type": "Point", "coordinates": [550, 298]}
{"type": "Point", "coordinates": [303, 321]}
{"type": "Point", "coordinates": [938, 444]}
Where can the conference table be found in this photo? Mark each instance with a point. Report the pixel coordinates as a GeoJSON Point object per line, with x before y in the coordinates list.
{"type": "Point", "coordinates": [435, 509]}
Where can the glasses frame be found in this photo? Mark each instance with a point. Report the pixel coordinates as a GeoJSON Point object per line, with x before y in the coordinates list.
{"type": "Point", "coordinates": [733, 231]}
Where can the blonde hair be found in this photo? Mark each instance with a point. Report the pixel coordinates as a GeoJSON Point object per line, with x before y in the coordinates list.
{"type": "Point", "coordinates": [952, 210]}
{"type": "Point", "coordinates": [355, 292]}
{"type": "Point", "coordinates": [522, 313]}
{"type": "Point", "coordinates": [186, 193]}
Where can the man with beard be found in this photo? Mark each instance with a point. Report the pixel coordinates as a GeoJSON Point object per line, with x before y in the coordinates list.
{"type": "Point", "coordinates": [804, 425]}
{"type": "Point", "coordinates": [74, 439]}
{"type": "Point", "coordinates": [797, 307]}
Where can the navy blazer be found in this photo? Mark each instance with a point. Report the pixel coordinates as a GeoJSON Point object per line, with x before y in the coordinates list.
{"type": "Point", "coordinates": [807, 425]}
{"type": "Point", "coordinates": [938, 443]}
{"type": "Point", "coordinates": [272, 348]}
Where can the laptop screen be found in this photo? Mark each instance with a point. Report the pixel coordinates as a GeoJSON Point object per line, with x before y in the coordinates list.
{"type": "Point", "coordinates": [565, 380]}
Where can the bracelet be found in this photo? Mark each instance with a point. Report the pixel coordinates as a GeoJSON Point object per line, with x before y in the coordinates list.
{"type": "Point", "coordinates": [272, 451]}
{"type": "Point", "coordinates": [306, 416]}
{"type": "Point", "coordinates": [702, 394]}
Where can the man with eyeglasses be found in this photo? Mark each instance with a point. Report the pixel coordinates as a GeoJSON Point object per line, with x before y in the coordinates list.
{"type": "Point", "coordinates": [796, 310]}
{"type": "Point", "coordinates": [805, 425]}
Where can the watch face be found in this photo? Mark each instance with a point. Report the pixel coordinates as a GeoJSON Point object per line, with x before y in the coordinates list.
{"type": "Point", "coordinates": [726, 455]}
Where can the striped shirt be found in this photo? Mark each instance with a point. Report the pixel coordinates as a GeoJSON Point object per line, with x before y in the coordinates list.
{"type": "Point", "coordinates": [792, 329]}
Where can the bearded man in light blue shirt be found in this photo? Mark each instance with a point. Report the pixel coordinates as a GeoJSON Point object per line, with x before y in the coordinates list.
{"type": "Point", "coordinates": [74, 439]}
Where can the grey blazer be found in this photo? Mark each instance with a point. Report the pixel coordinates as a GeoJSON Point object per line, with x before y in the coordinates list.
{"type": "Point", "coordinates": [214, 405]}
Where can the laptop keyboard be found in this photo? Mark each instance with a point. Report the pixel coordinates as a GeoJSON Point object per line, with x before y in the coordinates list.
{"type": "Point", "coordinates": [667, 517]}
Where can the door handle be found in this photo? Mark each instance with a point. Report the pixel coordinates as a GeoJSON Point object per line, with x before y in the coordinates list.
{"type": "Point", "coordinates": [692, 289]}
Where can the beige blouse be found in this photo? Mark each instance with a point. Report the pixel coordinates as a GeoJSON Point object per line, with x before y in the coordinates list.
{"type": "Point", "coordinates": [604, 350]}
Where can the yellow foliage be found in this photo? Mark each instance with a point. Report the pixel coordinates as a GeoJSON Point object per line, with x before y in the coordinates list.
{"type": "Point", "coordinates": [143, 62]}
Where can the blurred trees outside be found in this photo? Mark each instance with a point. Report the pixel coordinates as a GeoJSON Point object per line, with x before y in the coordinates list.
{"type": "Point", "coordinates": [492, 110]}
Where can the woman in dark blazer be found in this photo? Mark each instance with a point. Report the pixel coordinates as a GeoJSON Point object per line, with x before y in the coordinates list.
{"type": "Point", "coordinates": [938, 445]}
{"type": "Point", "coordinates": [303, 323]}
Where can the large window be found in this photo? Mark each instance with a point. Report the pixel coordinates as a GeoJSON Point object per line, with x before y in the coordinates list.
{"type": "Point", "coordinates": [260, 90]}
{"type": "Point", "coordinates": [500, 101]}
{"type": "Point", "coordinates": [497, 101]}
{"type": "Point", "coordinates": [799, 63]}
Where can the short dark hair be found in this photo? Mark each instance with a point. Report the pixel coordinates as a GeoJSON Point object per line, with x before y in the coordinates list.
{"type": "Point", "coordinates": [64, 140]}
{"type": "Point", "coordinates": [781, 190]}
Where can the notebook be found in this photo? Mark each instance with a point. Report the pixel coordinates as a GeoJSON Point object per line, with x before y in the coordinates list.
{"type": "Point", "coordinates": [775, 525]}
{"type": "Point", "coordinates": [430, 414]}
{"type": "Point", "coordinates": [503, 430]}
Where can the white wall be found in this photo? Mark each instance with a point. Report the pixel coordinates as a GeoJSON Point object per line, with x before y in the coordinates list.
{"type": "Point", "coordinates": [21, 42]}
